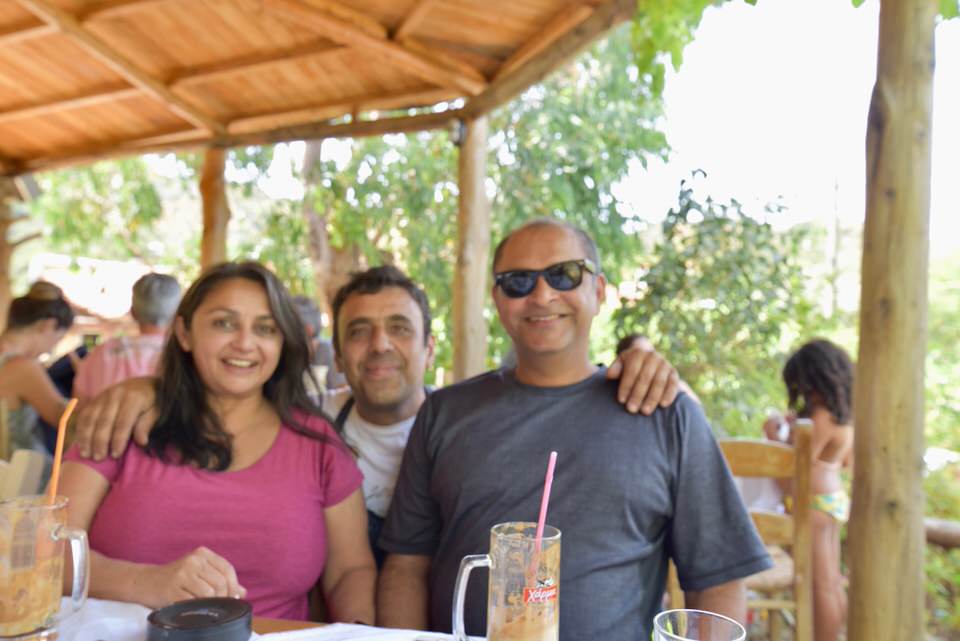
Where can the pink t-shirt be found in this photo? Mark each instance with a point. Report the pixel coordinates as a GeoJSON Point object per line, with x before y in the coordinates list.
{"type": "Point", "coordinates": [118, 359]}
{"type": "Point", "coordinates": [267, 519]}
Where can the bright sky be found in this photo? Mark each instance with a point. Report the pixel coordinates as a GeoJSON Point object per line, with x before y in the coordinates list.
{"type": "Point", "coordinates": [771, 100]}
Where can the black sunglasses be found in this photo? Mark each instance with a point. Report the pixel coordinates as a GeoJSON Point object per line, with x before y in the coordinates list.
{"type": "Point", "coordinates": [561, 276]}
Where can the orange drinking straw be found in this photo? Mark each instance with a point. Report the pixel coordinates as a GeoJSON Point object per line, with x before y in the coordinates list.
{"type": "Point", "coordinates": [58, 452]}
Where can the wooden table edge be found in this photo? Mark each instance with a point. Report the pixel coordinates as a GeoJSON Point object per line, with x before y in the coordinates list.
{"type": "Point", "coordinates": [263, 625]}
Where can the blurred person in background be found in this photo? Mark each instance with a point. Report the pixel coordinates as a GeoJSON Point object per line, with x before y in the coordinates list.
{"type": "Point", "coordinates": [322, 360]}
{"type": "Point", "coordinates": [61, 372]}
{"type": "Point", "coordinates": [36, 322]}
{"type": "Point", "coordinates": [819, 382]}
{"type": "Point", "coordinates": [154, 302]}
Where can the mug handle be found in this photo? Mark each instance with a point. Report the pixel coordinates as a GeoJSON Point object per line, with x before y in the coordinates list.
{"type": "Point", "coordinates": [79, 552]}
{"type": "Point", "coordinates": [467, 565]}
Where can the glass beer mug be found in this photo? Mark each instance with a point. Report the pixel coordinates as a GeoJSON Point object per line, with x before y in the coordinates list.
{"type": "Point", "coordinates": [32, 534]}
{"type": "Point", "coordinates": [523, 597]}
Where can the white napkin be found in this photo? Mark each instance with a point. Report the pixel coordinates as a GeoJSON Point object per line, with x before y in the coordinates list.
{"type": "Point", "coordinates": [100, 620]}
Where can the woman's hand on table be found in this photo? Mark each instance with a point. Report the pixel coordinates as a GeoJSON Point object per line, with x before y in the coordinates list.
{"type": "Point", "coordinates": [200, 574]}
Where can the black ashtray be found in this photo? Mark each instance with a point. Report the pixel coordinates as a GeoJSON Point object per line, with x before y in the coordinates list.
{"type": "Point", "coordinates": [219, 619]}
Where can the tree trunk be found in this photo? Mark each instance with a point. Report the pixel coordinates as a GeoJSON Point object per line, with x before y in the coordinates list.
{"type": "Point", "coordinates": [8, 194]}
{"type": "Point", "coordinates": [886, 529]}
{"type": "Point", "coordinates": [216, 209]}
{"type": "Point", "coordinates": [332, 266]}
{"type": "Point", "coordinates": [473, 252]}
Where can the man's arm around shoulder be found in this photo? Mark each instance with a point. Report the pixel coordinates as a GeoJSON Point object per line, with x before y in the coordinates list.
{"type": "Point", "coordinates": [403, 592]}
{"type": "Point", "coordinates": [728, 599]}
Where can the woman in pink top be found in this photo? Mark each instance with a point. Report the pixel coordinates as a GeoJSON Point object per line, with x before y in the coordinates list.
{"type": "Point", "coordinates": [244, 490]}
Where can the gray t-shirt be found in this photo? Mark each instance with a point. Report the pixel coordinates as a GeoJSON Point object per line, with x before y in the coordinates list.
{"type": "Point", "coordinates": [629, 492]}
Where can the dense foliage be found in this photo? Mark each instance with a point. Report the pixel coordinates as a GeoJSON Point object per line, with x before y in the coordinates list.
{"type": "Point", "coordinates": [556, 151]}
{"type": "Point", "coordinates": [723, 295]}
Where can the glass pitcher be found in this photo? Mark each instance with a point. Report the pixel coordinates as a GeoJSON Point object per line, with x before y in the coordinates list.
{"type": "Point", "coordinates": [523, 597]}
{"type": "Point", "coordinates": [32, 535]}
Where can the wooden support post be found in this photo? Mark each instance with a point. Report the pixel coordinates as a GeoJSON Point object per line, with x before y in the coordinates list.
{"type": "Point", "coordinates": [216, 209]}
{"type": "Point", "coordinates": [473, 254]}
{"type": "Point", "coordinates": [886, 529]}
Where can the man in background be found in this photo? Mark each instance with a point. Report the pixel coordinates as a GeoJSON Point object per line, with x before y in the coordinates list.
{"type": "Point", "coordinates": [155, 300]}
{"type": "Point", "coordinates": [322, 356]}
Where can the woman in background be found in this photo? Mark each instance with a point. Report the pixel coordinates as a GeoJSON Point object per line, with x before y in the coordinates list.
{"type": "Point", "coordinates": [819, 381]}
{"type": "Point", "coordinates": [35, 324]}
{"type": "Point", "coordinates": [243, 490]}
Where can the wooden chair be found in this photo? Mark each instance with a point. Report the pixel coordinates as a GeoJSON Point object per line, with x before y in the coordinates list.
{"type": "Point", "coordinates": [23, 475]}
{"type": "Point", "coordinates": [788, 587]}
{"type": "Point", "coordinates": [4, 432]}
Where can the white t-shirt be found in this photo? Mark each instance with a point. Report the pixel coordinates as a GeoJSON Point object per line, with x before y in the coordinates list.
{"type": "Point", "coordinates": [380, 448]}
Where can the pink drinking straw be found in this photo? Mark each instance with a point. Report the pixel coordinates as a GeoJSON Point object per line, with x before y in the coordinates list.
{"type": "Point", "coordinates": [547, 484]}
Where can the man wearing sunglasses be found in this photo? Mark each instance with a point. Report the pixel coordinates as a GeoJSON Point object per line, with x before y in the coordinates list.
{"type": "Point", "coordinates": [629, 491]}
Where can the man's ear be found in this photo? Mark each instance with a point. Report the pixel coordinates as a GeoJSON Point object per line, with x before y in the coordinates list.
{"type": "Point", "coordinates": [182, 333]}
{"type": "Point", "coordinates": [601, 290]}
{"type": "Point", "coordinates": [431, 351]}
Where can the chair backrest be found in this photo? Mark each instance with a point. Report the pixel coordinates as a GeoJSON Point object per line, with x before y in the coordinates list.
{"type": "Point", "coordinates": [757, 458]}
{"type": "Point", "coordinates": [23, 475]}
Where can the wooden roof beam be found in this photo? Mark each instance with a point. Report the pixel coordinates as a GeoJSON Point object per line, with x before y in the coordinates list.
{"type": "Point", "coordinates": [69, 25]}
{"type": "Point", "coordinates": [184, 78]}
{"type": "Point", "coordinates": [217, 71]}
{"type": "Point", "coordinates": [332, 109]}
{"type": "Point", "coordinates": [25, 31]}
{"type": "Point", "coordinates": [107, 9]}
{"type": "Point", "coordinates": [540, 65]}
{"type": "Point", "coordinates": [9, 166]}
{"type": "Point", "coordinates": [413, 19]}
{"type": "Point", "coordinates": [190, 139]}
{"type": "Point", "coordinates": [78, 101]}
{"type": "Point", "coordinates": [561, 23]}
{"type": "Point", "coordinates": [330, 26]}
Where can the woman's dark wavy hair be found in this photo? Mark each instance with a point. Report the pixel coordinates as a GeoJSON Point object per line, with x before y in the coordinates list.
{"type": "Point", "coordinates": [820, 373]}
{"type": "Point", "coordinates": [187, 424]}
{"type": "Point", "coordinates": [44, 300]}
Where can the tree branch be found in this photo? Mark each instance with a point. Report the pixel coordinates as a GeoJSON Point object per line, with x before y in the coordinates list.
{"type": "Point", "coordinates": [26, 239]}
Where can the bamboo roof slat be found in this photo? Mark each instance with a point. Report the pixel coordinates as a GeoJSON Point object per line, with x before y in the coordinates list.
{"type": "Point", "coordinates": [81, 79]}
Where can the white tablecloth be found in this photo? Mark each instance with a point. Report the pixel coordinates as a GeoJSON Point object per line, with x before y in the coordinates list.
{"type": "Point", "coordinates": [100, 620]}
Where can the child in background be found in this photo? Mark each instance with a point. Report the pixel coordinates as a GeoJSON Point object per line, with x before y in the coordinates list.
{"type": "Point", "coordinates": [819, 380]}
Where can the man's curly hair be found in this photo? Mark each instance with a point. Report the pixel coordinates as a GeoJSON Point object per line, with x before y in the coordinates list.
{"type": "Point", "coordinates": [820, 373]}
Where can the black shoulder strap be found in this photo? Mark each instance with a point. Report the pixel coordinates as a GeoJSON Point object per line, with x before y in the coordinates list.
{"type": "Point", "coordinates": [342, 415]}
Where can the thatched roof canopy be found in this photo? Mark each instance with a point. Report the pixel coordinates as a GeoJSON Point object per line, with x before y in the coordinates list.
{"type": "Point", "coordinates": [81, 79]}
